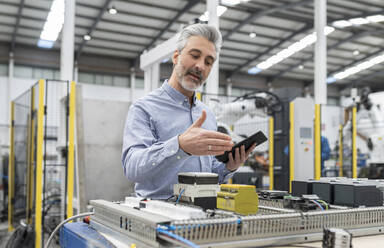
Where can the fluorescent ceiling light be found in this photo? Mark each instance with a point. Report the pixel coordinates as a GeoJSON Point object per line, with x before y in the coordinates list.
{"type": "Point", "coordinates": [358, 21]}
{"type": "Point", "coordinates": [254, 70]}
{"type": "Point", "coordinates": [87, 37]}
{"type": "Point", "coordinates": [220, 11]}
{"type": "Point", "coordinates": [292, 49]}
{"type": "Point", "coordinates": [358, 68]}
{"type": "Point", "coordinates": [112, 11]}
{"type": "Point", "coordinates": [341, 24]}
{"type": "Point", "coordinates": [376, 18]}
{"type": "Point", "coordinates": [45, 43]}
{"type": "Point", "coordinates": [230, 2]}
{"type": "Point", "coordinates": [53, 25]}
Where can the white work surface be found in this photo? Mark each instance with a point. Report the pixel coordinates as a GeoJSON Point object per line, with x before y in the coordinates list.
{"type": "Point", "coordinates": [374, 241]}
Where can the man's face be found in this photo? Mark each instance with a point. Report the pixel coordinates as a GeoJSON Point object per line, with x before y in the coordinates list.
{"type": "Point", "coordinates": [194, 62]}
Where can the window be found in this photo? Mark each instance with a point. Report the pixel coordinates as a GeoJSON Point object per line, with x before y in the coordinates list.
{"type": "Point", "coordinates": [3, 70]}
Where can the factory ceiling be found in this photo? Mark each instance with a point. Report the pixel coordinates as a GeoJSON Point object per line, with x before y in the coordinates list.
{"type": "Point", "coordinates": [254, 31]}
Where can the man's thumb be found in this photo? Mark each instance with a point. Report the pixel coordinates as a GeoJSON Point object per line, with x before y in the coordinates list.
{"type": "Point", "coordinates": [199, 122]}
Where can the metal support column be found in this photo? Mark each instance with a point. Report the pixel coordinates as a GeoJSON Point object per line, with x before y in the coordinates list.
{"type": "Point", "coordinates": [320, 52]}
{"type": "Point", "coordinates": [68, 42]}
{"type": "Point", "coordinates": [212, 85]}
{"type": "Point", "coordinates": [271, 151]}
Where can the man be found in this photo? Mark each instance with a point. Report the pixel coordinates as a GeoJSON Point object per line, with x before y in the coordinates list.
{"type": "Point", "coordinates": [170, 131]}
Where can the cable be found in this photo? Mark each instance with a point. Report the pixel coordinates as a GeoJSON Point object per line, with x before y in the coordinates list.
{"type": "Point", "coordinates": [325, 203]}
{"type": "Point", "coordinates": [178, 198]}
{"type": "Point", "coordinates": [62, 223]}
{"type": "Point", "coordinates": [177, 237]}
{"type": "Point", "coordinates": [318, 204]}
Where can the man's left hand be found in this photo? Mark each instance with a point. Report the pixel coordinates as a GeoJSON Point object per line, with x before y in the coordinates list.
{"type": "Point", "coordinates": [240, 157]}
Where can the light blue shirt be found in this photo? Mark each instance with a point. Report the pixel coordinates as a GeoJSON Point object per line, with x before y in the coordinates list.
{"type": "Point", "coordinates": [151, 155]}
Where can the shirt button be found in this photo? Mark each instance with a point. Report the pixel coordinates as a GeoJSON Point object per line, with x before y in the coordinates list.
{"type": "Point", "coordinates": [178, 157]}
{"type": "Point", "coordinates": [173, 151]}
{"type": "Point", "coordinates": [153, 164]}
{"type": "Point", "coordinates": [181, 103]}
{"type": "Point", "coordinates": [185, 99]}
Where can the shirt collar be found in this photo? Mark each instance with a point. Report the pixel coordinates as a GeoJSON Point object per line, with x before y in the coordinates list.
{"type": "Point", "coordinates": [175, 94]}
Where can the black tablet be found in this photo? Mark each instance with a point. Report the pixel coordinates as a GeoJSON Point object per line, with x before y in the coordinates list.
{"type": "Point", "coordinates": [257, 138]}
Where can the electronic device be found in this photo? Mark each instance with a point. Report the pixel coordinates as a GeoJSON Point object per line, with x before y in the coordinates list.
{"type": "Point", "coordinates": [241, 199]}
{"type": "Point", "coordinates": [358, 194]}
{"type": "Point", "coordinates": [334, 237]}
{"type": "Point", "coordinates": [257, 138]}
{"type": "Point", "coordinates": [300, 187]}
{"type": "Point", "coordinates": [197, 188]}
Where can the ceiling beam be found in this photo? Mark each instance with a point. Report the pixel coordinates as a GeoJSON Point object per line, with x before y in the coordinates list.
{"type": "Point", "coordinates": [337, 44]}
{"type": "Point", "coordinates": [262, 13]}
{"type": "Point", "coordinates": [96, 21]}
{"type": "Point", "coordinates": [289, 37]}
{"type": "Point", "coordinates": [356, 61]}
{"type": "Point", "coordinates": [306, 28]}
{"type": "Point", "coordinates": [361, 80]}
{"type": "Point", "coordinates": [13, 42]}
{"type": "Point", "coordinates": [188, 6]}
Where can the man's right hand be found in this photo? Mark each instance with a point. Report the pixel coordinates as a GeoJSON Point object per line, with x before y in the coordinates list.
{"type": "Point", "coordinates": [198, 141]}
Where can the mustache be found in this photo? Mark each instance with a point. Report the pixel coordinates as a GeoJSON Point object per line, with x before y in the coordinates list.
{"type": "Point", "coordinates": [195, 72]}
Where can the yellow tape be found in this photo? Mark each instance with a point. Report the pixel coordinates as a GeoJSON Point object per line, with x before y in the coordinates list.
{"type": "Point", "coordinates": [271, 152]}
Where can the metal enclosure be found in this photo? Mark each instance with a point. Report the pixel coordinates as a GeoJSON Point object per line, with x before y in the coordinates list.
{"type": "Point", "coordinates": [304, 109]}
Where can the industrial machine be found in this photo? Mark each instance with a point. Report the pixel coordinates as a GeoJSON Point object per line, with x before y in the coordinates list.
{"type": "Point", "coordinates": [258, 103]}
{"type": "Point", "coordinates": [369, 122]}
{"type": "Point", "coordinates": [151, 223]}
{"type": "Point", "coordinates": [197, 188]}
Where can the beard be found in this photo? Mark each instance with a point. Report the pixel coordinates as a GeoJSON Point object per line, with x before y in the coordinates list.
{"type": "Point", "coordinates": [189, 83]}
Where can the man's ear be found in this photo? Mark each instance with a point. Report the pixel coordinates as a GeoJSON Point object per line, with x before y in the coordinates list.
{"type": "Point", "coordinates": [175, 57]}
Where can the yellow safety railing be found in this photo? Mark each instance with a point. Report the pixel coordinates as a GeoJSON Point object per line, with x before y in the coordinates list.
{"type": "Point", "coordinates": [354, 149]}
{"type": "Point", "coordinates": [271, 152]}
{"type": "Point", "coordinates": [11, 167]}
{"type": "Point", "coordinates": [71, 150]}
{"type": "Point", "coordinates": [39, 166]}
{"type": "Point", "coordinates": [341, 151]}
{"type": "Point", "coordinates": [317, 141]}
{"type": "Point", "coordinates": [291, 144]}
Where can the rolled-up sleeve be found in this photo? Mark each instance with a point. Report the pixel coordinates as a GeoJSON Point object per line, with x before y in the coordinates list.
{"type": "Point", "coordinates": [143, 156]}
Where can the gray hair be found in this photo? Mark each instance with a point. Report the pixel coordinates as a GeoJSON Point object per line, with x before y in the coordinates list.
{"type": "Point", "coordinates": [209, 32]}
